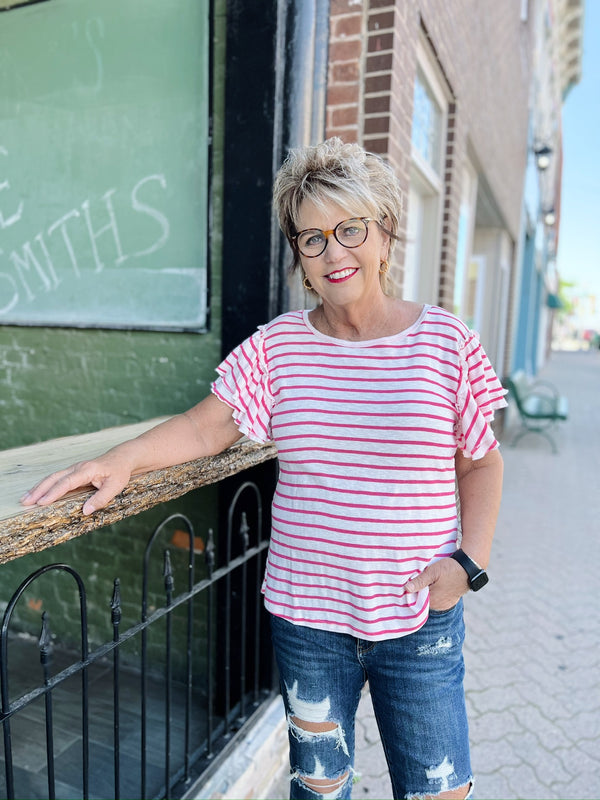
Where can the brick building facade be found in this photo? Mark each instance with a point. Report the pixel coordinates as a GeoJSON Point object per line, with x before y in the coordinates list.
{"type": "Point", "coordinates": [441, 88]}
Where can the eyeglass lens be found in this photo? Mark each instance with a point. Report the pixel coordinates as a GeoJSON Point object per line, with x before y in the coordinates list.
{"type": "Point", "coordinates": [349, 233]}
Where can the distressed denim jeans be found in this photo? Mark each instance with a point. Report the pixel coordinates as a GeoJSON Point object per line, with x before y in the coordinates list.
{"type": "Point", "coordinates": [416, 685]}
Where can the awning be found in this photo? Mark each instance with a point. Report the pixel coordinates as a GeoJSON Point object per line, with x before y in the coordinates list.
{"type": "Point", "coordinates": [554, 301]}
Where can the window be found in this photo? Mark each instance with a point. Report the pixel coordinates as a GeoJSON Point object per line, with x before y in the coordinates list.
{"type": "Point", "coordinates": [466, 224]}
{"type": "Point", "coordinates": [104, 165]}
{"type": "Point", "coordinates": [430, 112]}
{"type": "Point", "coordinates": [427, 123]}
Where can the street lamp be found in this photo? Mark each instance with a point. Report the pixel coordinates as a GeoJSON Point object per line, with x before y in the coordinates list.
{"type": "Point", "coordinates": [549, 217]}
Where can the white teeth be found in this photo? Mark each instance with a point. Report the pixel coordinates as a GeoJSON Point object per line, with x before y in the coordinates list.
{"type": "Point", "coordinates": [342, 274]}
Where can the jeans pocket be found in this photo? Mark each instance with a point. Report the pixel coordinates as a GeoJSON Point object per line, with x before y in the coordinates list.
{"type": "Point", "coordinates": [433, 612]}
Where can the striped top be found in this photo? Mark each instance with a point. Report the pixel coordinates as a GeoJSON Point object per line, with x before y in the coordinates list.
{"type": "Point", "coordinates": [366, 434]}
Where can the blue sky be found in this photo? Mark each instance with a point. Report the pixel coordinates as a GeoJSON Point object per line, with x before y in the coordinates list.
{"type": "Point", "coordinates": [578, 257]}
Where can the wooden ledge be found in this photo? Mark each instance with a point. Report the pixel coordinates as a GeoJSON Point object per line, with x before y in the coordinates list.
{"type": "Point", "coordinates": [30, 529]}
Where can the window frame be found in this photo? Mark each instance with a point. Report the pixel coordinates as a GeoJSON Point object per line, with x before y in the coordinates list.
{"type": "Point", "coordinates": [422, 261]}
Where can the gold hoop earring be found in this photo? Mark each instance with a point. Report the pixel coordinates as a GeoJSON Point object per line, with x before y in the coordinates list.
{"type": "Point", "coordinates": [306, 284]}
{"type": "Point", "coordinates": [384, 267]}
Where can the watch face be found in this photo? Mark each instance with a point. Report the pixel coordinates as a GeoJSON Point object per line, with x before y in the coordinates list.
{"type": "Point", "coordinates": [479, 581]}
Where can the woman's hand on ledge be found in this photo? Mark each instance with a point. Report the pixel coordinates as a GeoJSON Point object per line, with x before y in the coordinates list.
{"type": "Point", "coordinates": [109, 474]}
{"type": "Point", "coordinates": [206, 429]}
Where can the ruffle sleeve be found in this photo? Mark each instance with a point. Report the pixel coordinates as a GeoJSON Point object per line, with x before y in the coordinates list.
{"type": "Point", "coordinates": [243, 384]}
{"type": "Point", "coordinates": [480, 394]}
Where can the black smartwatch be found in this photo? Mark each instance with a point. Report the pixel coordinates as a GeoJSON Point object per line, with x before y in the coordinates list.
{"type": "Point", "coordinates": [478, 577]}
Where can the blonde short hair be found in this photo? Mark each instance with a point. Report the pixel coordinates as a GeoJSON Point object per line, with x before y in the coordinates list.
{"type": "Point", "coordinates": [338, 172]}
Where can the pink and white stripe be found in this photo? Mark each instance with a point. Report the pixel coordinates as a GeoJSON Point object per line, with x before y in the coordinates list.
{"type": "Point", "coordinates": [366, 434]}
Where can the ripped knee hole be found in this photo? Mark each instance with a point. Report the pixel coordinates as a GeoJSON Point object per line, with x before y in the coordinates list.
{"type": "Point", "coordinates": [314, 727]}
{"type": "Point", "coordinates": [324, 785]}
{"type": "Point", "coordinates": [305, 731]}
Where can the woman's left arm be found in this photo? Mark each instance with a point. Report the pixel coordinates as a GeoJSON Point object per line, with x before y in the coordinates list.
{"type": "Point", "coordinates": [480, 489]}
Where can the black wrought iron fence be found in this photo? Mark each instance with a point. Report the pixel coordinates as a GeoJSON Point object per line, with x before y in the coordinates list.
{"type": "Point", "coordinates": [129, 718]}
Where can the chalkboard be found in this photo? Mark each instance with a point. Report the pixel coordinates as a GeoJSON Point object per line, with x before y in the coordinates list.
{"type": "Point", "coordinates": [104, 163]}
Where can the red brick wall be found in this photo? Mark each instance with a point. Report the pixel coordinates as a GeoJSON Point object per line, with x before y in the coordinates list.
{"type": "Point", "coordinates": [483, 51]}
{"type": "Point", "coordinates": [451, 210]}
{"type": "Point", "coordinates": [344, 81]}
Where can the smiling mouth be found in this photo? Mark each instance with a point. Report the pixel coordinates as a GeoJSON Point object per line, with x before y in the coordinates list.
{"type": "Point", "coordinates": [341, 275]}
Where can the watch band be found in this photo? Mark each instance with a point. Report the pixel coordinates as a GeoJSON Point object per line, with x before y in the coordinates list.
{"type": "Point", "coordinates": [478, 577]}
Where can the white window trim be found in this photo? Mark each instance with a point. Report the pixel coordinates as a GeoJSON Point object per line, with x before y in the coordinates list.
{"type": "Point", "coordinates": [430, 183]}
{"type": "Point", "coordinates": [468, 200]}
{"type": "Point", "coordinates": [524, 10]}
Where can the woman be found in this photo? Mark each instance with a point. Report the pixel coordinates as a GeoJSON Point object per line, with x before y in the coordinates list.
{"type": "Point", "coordinates": [378, 408]}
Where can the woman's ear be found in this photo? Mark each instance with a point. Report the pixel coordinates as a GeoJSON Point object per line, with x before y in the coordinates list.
{"type": "Point", "coordinates": [384, 226]}
{"type": "Point", "coordinates": [385, 245]}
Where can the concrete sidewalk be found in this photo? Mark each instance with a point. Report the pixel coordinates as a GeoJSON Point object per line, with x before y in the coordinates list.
{"type": "Point", "coordinates": [533, 634]}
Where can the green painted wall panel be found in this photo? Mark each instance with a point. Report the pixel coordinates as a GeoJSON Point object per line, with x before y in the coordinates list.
{"type": "Point", "coordinates": [104, 164]}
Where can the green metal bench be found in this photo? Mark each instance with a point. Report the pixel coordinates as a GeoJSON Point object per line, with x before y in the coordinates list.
{"type": "Point", "coordinates": [539, 404]}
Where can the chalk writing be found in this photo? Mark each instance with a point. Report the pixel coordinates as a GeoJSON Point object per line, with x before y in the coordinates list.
{"type": "Point", "coordinates": [142, 208]}
{"type": "Point", "coordinates": [37, 266]}
{"type": "Point", "coordinates": [5, 222]}
{"type": "Point", "coordinates": [99, 26]}
{"type": "Point", "coordinates": [93, 31]}
{"type": "Point", "coordinates": [110, 227]}
{"type": "Point", "coordinates": [61, 224]}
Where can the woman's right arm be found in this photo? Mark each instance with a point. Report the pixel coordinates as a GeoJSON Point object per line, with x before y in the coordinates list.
{"type": "Point", "coordinates": [206, 429]}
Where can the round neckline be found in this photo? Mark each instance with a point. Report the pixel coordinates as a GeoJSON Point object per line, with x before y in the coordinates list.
{"type": "Point", "coordinates": [363, 342]}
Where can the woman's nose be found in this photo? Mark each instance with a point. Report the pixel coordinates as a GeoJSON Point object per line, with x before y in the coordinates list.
{"type": "Point", "coordinates": [334, 250]}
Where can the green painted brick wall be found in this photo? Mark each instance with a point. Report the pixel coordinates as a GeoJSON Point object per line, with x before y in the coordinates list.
{"type": "Point", "coordinates": [61, 382]}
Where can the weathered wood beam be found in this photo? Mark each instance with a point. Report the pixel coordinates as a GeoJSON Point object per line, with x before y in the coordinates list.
{"type": "Point", "coordinates": [32, 529]}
